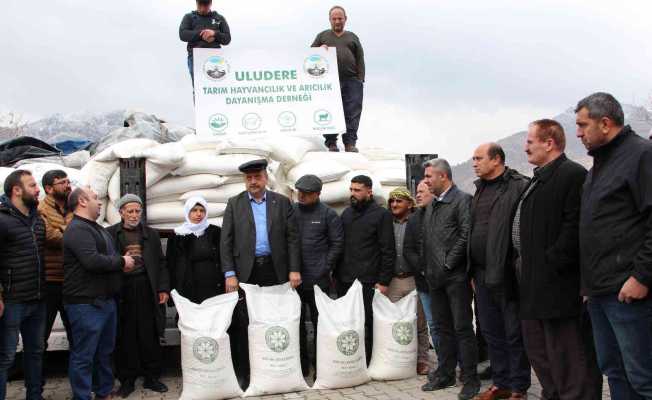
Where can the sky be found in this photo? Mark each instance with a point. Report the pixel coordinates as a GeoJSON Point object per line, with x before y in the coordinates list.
{"type": "Point", "coordinates": [442, 76]}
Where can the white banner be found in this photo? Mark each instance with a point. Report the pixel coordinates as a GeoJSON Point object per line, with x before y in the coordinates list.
{"type": "Point", "coordinates": [243, 92]}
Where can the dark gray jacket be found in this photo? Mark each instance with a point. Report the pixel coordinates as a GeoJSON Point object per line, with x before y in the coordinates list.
{"type": "Point", "coordinates": [193, 23]}
{"type": "Point", "coordinates": [322, 242]}
{"type": "Point", "coordinates": [238, 237]}
{"type": "Point", "coordinates": [413, 248]}
{"type": "Point", "coordinates": [616, 216]}
{"type": "Point", "coordinates": [499, 238]}
{"type": "Point", "coordinates": [22, 241]}
{"type": "Point", "coordinates": [446, 225]}
{"type": "Point", "coordinates": [92, 268]}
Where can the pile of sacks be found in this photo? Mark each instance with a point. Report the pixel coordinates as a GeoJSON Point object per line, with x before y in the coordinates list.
{"type": "Point", "coordinates": [208, 166]}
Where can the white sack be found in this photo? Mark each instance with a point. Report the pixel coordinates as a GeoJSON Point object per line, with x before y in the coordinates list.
{"type": "Point", "coordinates": [173, 212]}
{"type": "Point", "coordinates": [206, 361]}
{"type": "Point", "coordinates": [171, 185]}
{"type": "Point", "coordinates": [166, 154]}
{"type": "Point", "coordinates": [112, 213]}
{"type": "Point", "coordinates": [290, 150]}
{"type": "Point", "coordinates": [125, 149]}
{"type": "Point", "coordinates": [274, 354]}
{"type": "Point", "coordinates": [341, 359]}
{"type": "Point", "coordinates": [351, 160]}
{"type": "Point", "coordinates": [326, 171]}
{"type": "Point", "coordinates": [244, 145]}
{"type": "Point", "coordinates": [114, 186]}
{"type": "Point", "coordinates": [221, 194]}
{"type": "Point", "coordinates": [392, 177]}
{"type": "Point", "coordinates": [97, 174]}
{"type": "Point", "coordinates": [203, 163]}
{"type": "Point", "coordinates": [394, 354]}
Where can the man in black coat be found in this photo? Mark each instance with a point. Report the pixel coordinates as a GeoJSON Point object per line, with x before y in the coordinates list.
{"type": "Point", "coordinates": [92, 278]}
{"type": "Point", "coordinates": [545, 236]}
{"type": "Point", "coordinates": [141, 310]}
{"type": "Point", "coordinates": [616, 245]}
{"type": "Point", "coordinates": [369, 249]}
{"type": "Point", "coordinates": [446, 224]}
{"type": "Point", "coordinates": [491, 264]}
{"type": "Point", "coordinates": [22, 280]}
{"type": "Point", "coordinates": [259, 245]}
{"type": "Point", "coordinates": [322, 241]}
{"type": "Point", "coordinates": [203, 28]}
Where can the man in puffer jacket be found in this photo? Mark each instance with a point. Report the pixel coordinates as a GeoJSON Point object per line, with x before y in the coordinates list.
{"type": "Point", "coordinates": [22, 278]}
{"type": "Point", "coordinates": [322, 241]}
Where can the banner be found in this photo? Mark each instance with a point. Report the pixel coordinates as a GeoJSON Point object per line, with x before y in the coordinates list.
{"type": "Point", "coordinates": [244, 92]}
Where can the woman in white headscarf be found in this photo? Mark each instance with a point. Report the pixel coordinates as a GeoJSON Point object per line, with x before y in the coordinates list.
{"type": "Point", "coordinates": [193, 254]}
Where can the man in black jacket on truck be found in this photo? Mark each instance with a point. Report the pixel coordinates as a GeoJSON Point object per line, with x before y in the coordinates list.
{"type": "Point", "coordinates": [616, 245]}
{"type": "Point", "coordinates": [92, 278]}
{"type": "Point", "coordinates": [369, 249]}
{"type": "Point", "coordinates": [322, 240]}
{"type": "Point", "coordinates": [22, 280]}
{"type": "Point", "coordinates": [203, 28]}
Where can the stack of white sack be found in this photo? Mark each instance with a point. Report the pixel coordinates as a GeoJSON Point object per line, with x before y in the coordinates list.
{"type": "Point", "coordinates": [208, 166]}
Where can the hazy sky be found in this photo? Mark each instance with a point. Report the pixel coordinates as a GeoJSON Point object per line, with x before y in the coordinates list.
{"type": "Point", "coordinates": [442, 76]}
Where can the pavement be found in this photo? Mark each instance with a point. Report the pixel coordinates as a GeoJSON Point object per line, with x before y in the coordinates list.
{"type": "Point", "coordinates": [58, 387]}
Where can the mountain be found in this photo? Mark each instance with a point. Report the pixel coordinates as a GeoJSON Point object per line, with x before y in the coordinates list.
{"type": "Point", "coordinates": [87, 126]}
{"type": "Point", "coordinates": [639, 118]}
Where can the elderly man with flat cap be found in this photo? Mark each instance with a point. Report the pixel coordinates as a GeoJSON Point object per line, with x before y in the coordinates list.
{"type": "Point", "coordinates": [322, 243]}
{"type": "Point", "coordinates": [145, 290]}
{"type": "Point", "coordinates": [259, 245]}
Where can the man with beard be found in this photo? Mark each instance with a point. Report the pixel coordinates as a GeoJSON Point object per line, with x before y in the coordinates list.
{"type": "Point", "coordinates": [369, 249]}
{"type": "Point", "coordinates": [145, 290]}
{"type": "Point", "coordinates": [351, 68]}
{"type": "Point", "coordinates": [446, 224]}
{"type": "Point", "coordinates": [615, 240]}
{"type": "Point", "coordinates": [92, 277]}
{"type": "Point", "coordinates": [403, 282]}
{"type": "Point", "coordinates": [259, 245]}
{"type": "Point", "coordinates": [22, 278]}
{"type": "Point", "coordinates": [322, 238]}
{"type": "Point", "coordinates": [55, 214]}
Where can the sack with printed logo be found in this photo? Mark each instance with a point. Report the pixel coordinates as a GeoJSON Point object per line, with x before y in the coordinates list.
{"type": "Point", "coordinates": [341, 358]}
{"type": "Point", "coordinates": [274, 354]}
{"type": "Point", "coordinates": [206, 362]}
{"type": "Point", "coordinates": [394, 355]}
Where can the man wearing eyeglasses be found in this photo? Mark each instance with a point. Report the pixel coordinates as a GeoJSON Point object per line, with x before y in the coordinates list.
{"type": "Point", "coordinates": [57, 216]}
{"type": "Point", "coordinates": [145, 290]}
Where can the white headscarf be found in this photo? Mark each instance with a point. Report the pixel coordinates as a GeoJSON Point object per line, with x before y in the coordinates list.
{"type": "Point", "coordinates": [188, 227]}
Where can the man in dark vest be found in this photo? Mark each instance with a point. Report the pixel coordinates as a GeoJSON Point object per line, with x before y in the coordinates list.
{"type": "Point", "coordinates": [145, 290]}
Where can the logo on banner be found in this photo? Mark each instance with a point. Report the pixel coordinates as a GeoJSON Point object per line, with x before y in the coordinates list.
{"type": "Point", "coordinates": [323, 117]}
{"type": "Point", "coordinates": [216, 68]}
{"type": "Point", "coordinates": [315, 66]}
{"type": "Point", "coordinates": [251, 121]}
{"type": "Point", "coordinates": [205, 350]}
{"type": "Point", "coordinates": [287, 119]}
{"type": "Point", "coordinates": [348, 342]}
{"type": "Point", "coordinates": [218, 123]}
{"type": "Point", "coordinates": [277, 339]}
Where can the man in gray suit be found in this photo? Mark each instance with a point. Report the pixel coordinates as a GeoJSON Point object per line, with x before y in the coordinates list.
{"type": "Point", "coordinates": [259, 245]}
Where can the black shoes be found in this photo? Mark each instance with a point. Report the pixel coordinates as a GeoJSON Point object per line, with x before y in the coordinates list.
{"type": "Point", "coordinates": [155, 385]}
{"type": "Point", "coordinates": [469, 390]}
{"type": "Point", "coordinates": [126, 388]}
{"type": "Point", "coordinates": [438, 383]}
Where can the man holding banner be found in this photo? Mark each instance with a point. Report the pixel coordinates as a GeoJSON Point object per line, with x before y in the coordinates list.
{"type": "Point", "coordinates": [203, 28]}
{"type": "Point", "coordinates": [350, 63]}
